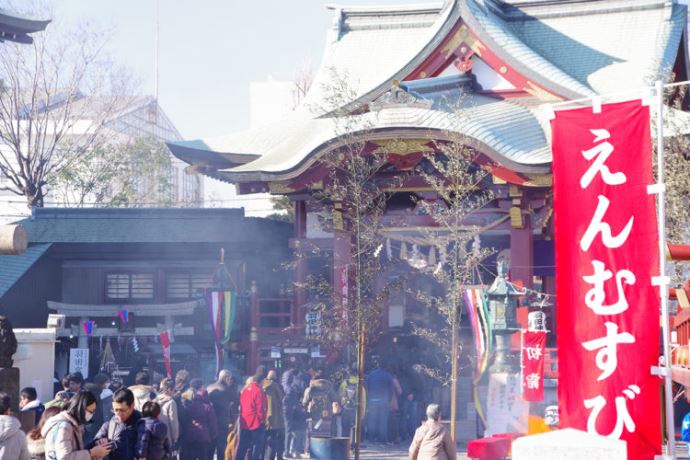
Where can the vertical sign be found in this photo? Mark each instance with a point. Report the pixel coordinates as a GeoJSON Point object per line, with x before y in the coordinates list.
{"type": "Point", "coordinates": [606, 255]}
{"type": "Point", "coordinates": [165, 345]}
{"type": "Point", "coordinates": [79, 361]}
{"type": "Point", "coordinates": [506, 412]}
{"type": "Point", "coordinates": [533, 344]}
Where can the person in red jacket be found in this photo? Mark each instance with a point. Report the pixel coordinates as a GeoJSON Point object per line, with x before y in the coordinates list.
{"type": "Point", "coordinates": [253, 406]}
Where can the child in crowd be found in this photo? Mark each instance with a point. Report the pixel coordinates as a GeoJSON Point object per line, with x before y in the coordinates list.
{"type": "Point", "coordinates": [154, 443]}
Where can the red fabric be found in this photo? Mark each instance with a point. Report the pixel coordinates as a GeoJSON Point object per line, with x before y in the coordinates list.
{"type": "Point", "coordinates": [533, 349]}
{"type": "Point", "coordinates": [165, 344]}
{"type": "Point", "coordinates": [593, 394]}
{"type": "Point", "coordinates": [493, 448]}
{"type": "Point", "coordinates": [252, 407]}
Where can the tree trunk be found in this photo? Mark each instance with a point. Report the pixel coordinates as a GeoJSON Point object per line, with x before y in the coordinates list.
{"type": "Point", "coordinates": [454, 375]}
{"type": "Point", "coordinates": [360, 387]}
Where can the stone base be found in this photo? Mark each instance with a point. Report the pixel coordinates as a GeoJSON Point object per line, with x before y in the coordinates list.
{"type": "Point", "coordinates": [9, 383]}
{"type": "Point", "coordinates": [568, 444]}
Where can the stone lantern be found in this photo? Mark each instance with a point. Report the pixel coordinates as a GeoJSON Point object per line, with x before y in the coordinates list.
{"type": "Point", "coordinates": [503, 301]}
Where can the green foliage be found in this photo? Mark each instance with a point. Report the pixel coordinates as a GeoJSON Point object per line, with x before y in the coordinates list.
{"type": "Point", "coordinates": [133, 174]}
{"type": "Point", "coordinates": [286, 211]}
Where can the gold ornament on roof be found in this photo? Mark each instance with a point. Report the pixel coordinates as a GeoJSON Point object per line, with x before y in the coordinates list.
{"type": "Point", "coordinates": [540, 93]}
{"type": "Point", "coordinates": [539, 180]}
{"type": "Point", "coordinates": [402, 146]}
{"type": "Point", "coordinates": [463, 35]}
{"type": "Point", "coordinates": [280, 188]}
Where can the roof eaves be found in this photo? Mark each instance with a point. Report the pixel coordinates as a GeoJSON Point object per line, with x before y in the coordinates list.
{"type": "Point", "coordinates": [523, 58]}
{"type": "Point", "coordinates": [12, 268]}
{"type": "Point", "coordinates": [450, 14]}
{"type": "Point", "coordinates": [671, 34]}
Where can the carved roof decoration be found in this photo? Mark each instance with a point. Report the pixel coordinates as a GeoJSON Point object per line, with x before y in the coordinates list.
{"type": "Point", "coordinates": [398, 97]}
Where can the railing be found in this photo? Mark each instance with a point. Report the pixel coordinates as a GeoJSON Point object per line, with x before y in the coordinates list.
{"type": "Point", "coordinates": [271, 314]}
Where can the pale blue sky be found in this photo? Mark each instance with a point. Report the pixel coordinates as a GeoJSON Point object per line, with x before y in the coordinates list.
{"type": "Point", "coordinates": [210, 50]}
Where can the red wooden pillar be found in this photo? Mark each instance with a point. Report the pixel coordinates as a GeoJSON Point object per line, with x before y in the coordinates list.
{"type": "Point", "coordinates": [550, 288]}
{"type": "Point", "coordinates": [253, 358]}
{"type": "Point", "coordinates": [522, 253]}
{"type": "Point", "coordinates": [300, 274]}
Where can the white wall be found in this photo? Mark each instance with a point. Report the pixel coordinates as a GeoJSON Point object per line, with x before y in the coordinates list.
{"type": "Point", "coordinates": [35, 359]}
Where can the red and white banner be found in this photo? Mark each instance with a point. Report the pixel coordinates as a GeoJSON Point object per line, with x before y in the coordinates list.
{"type": "Point", "coordinates": [165, 344]}
{"type": "Point", "coordinates": [533, 344]}
{"type": "Point", "coordinates": [606, 255]}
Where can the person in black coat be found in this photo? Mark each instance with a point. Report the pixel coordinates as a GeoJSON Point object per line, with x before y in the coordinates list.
{"type": "Point", "coordinates": [96, 389]}
{"type": "Point", "coordinates": [124, 430]}
{"type": "Point", "coordinates": [295, 418]}
{"type": "Point", "coordinates": [225, 399]}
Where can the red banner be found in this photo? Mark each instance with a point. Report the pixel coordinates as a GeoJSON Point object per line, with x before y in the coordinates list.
{"type": "Point", "coordinates": [606, 255]}
{"type": "Point", "coordinates": [533, 344]}
{"type": "Point", "coordinates": [165, 344]}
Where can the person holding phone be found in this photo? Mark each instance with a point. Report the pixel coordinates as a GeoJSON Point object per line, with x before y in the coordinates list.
{"type": "Point", "coordinates": [64, 433]}
{"type": "Point", "coordinates": [124, 430]}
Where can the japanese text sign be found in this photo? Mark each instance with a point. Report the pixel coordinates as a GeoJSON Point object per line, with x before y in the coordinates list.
{"type": "Point", "coordinates": [606, 255]}
{"type": "Point", "coordinates": [533, 344]}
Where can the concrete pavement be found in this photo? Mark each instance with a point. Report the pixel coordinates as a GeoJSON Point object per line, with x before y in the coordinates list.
{"type": "Point", "coordinates": [395, 452]}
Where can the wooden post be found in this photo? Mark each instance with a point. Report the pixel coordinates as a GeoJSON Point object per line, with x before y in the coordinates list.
{"type": "Point", "coordinates": [253, 360]}
{"type": "Point", "coordinates": [13, 239]}
{"type": "Point", "coordinates": [300, 274]}
{"type": "Point", "coordinates": [521, 238]}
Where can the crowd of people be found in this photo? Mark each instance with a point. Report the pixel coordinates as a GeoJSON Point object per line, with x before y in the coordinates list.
{"type": "Point", "coordinates": [270, 416]}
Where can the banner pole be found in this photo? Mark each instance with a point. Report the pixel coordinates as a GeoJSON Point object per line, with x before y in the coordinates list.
{"type": "Point", "coordinates": [663, 284]}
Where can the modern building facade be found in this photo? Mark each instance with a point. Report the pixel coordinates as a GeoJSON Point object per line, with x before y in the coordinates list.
{"type": "Point", "coordinates": [135, 122]}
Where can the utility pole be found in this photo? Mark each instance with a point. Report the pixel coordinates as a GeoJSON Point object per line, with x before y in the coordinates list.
{"type": "Point", "coordinates": [156, 51]}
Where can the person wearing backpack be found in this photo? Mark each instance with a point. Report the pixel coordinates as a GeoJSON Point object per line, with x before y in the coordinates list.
{"type": "Point", "coordinates": [295, 419]}
{"type": "Point", "coordinates": [347, 393]}
{"type": "Point", "coordinates": [64, 432]}
{"type": "Point", "coordinates": [169, 411]}
{"type": "Point", "coordinates": [318, 399]}
{"type": "Point", "coordinates": [124, 430]}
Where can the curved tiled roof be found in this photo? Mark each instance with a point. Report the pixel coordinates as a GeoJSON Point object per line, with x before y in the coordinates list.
{"type": "Point", "coordinates": [507, 132]}
{"type": "Point", "coordinates": [372, 46]}
{"type": "Point", "coordinates": [574, 49]}
{"type": "Point", "coordinates": [16, 28]}
{"type": "Point", "coordinates": [579, 49]}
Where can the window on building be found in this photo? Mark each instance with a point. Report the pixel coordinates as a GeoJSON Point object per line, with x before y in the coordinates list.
{"type": "Point", "coordinates": [184, 286]}
{"type": "Point", "coordinates": [190, 186]}
{"type": "Point", "coordinates": [174, 185]}
{"type": "Point", "coordinates": [128, 286]}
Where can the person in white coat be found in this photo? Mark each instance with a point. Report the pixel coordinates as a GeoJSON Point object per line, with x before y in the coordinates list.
{"type": "Point", "coordinates": [64, 433]}
{"type": "Point", "coordinates": [12, 438]}
{"type": "Point", "coordinates": [169, 410]}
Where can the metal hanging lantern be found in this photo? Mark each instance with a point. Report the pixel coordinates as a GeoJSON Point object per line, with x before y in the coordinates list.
{"type": "Point", "coordinates": [503, 301]}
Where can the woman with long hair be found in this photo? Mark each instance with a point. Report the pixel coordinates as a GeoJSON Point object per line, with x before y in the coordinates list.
{"type": "Point", "coordinates": [64, 432]}
{"type": "Point", "coordinates": [37, 443]}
